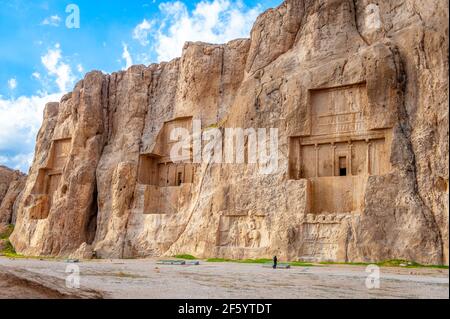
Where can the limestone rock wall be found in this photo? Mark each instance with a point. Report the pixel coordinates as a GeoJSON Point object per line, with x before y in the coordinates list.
{"type": "Point", "coordinates": [360, 88]}
{"type": "Point", "coordinates": [11, 186]}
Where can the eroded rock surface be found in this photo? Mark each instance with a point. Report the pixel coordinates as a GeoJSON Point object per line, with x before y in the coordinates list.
{"type": "Point", "coordinates": [358, 91]}
{"type": "Point", "coordinates": [11, 186]}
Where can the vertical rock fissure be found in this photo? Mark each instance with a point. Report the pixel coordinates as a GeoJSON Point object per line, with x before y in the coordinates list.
{"type": "Point", "coordinates": [220, 99]}
{"type": "Point", "coordinates": [107, 111]}
{"type": "Point", "coordinates": [404, 120]}
{"type": "Point", "coordinates": [195, 205]}
{"type": "Point", "coordinates": [91, 226]}
{"type": "Point", "coordinates": [93, 219]}
{"type": "Point", "coordinates": [355, 16]}
{"type": "Point", "coordinates": [148, 103]}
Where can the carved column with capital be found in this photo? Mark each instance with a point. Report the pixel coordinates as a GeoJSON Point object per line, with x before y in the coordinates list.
{"type": "Point", "coordinates": [350, 149]}
{"type": "Point", "coordinates": [368, 156]}
{"type": "Point", "coordinates": [333, 162]}
{"type": "Point", "coordinates": [317, 159]}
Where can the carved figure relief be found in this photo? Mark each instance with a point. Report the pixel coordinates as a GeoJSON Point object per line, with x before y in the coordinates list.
{"type": "Point", "coordinates": [242, 231]}
{"type": "Point", "coordinates": [320, 236]}
{"type": "Point", "coordinates": [253, 235]}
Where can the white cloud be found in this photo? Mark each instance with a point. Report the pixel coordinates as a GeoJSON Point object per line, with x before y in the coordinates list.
{"type": "Point", "coordinates": [216, 21]}
{"type": "Point", "coordinates": [126, 56]}
{"type": "Point", "coordinates": [141, 31]}
{"type": "Point", "coordinates": [20, 162]}
{"type": "Point", "coordinates": [20, 120]}
{"type": "Point", "coordinates": [12, 84]}
{"type": "Point", "coordinates": [143, 58]}
{"type": "Point", "coordinates": [52, 61]}
{"type": "Point", "coordinates": [53, 21]}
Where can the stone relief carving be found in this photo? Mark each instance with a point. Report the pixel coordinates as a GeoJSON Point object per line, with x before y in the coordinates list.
{"type": "Point", "coordinates": [321, 235]}
{"type": "Point", "coordinates": [327, 218]}
{"type": "Point", "coordinates": [244, 231]}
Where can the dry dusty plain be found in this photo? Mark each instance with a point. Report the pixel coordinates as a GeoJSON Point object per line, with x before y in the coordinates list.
{"type": "Point", "coordinates": [35, 278]}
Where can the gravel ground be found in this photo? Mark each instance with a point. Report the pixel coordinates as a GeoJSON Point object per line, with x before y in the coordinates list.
{"type": "Point", "coordinates": [146, 279]}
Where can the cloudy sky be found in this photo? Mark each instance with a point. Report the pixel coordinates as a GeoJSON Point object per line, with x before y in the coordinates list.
{"type": "Point", "coordinates": [43, 52]}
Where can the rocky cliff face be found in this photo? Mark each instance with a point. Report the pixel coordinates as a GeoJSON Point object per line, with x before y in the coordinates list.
{"type": "Point", "coordinates": [358, 91]}
{"type": "Point", "coordinates": [11, 186]}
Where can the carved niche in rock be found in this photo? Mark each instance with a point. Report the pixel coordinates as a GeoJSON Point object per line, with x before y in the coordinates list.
{"type": "Point", "coordinates": [166, 176]}
{"type": "Point", "coordinates": [340, 152]}
{"type": "Point", "coordinates": [48, 180]}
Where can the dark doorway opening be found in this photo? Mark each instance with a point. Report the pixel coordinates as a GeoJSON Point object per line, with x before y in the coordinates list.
{"type": "Point", "coordinates": [343, 166]}
{"type": "Point", "coordinates": [179, 179]}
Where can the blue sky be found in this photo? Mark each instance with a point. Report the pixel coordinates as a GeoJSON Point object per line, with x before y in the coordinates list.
{"type": "Point", "coordinates": [41, 58]}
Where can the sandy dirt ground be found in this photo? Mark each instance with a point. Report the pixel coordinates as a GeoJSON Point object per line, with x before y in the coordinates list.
{"type": "Point", "coordinates": [147, 279]}
{"type": "Point", "coordinates": [22, 284]}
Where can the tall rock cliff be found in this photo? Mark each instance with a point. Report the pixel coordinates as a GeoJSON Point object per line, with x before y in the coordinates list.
{"type": "Point", "coordinates": [358, 93]}
{"type": "Point", "coordinates": [11, 186]}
